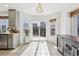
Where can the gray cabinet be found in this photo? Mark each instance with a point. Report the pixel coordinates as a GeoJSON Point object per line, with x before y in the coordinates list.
{"type": "Point", "coordinates": [13, 17]}
{"type": "Point", "coordinates": [3, 41]}
{"type": "Point", "coordinates": [9, 41]}
{"type": "Point", "coordinates": [68, 45]}
{"type": "Point", "coordinates": [60, 44]}
{"type": "Point", "coordinates": [13, 41]}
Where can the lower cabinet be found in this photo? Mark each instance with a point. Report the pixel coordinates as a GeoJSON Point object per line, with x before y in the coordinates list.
{"type": "Point", "coordinates": [60, 44]}
{"type": "Point", "coordinates": [3, 41]}
{"type": "Point", "coordinates": [13, 41]}
{"type": "Point", "coordinates": [67, 47]}
{"type": "Point", "coordinates": [9, 41]}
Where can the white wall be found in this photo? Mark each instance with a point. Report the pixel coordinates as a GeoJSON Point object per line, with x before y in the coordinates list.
{"type": "Point", "coordinates": [4, 13]}
{"type": "Point", "coordinates": [23, 17]}
{"type": "Point", "coordinates": [21, 29]}
{"type": "Point", "coordinates": [74, 25]}
{"type": "Point", "coordinates": [50, 37]}
{"type": "Point", "coordinates": [63, 23]}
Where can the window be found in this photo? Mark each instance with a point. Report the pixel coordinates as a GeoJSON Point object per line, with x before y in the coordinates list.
{"type": "Point", "coordinates": [35, 29]}
{"type": "Point", "coordinates": [53, 29]}
{"type": "Point", "coordinates": [3, 25]}
{"type": "Point", "coordinates": [26, 29]}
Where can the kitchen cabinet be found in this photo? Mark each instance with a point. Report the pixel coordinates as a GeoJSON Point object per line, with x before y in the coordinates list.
{"type": "Point", "coordinates": [9, 41]}
{"type": "Point", "coordinates": [13, 41]}
{"type": "Point", "coordinates": [68, 45]}
{"type": "Point", "coordinates": [3, 42]}
{"type": "Point", "coordinates": [13, 17]}
{"type": "Point", "coordinates": [60, 44]}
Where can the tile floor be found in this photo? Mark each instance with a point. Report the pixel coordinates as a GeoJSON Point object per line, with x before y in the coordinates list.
{"type": "Point", "coordinates": [43, 49]}
{"type": "Point", "coordinates": [53, 49]}
{"type": "Point", "coordinates": [37, 49]}
{"type": "Point", "coordinates": [31, 50]}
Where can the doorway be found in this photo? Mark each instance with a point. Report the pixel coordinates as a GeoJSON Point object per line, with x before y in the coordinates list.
{"type": "Point", "coordinates": [39, 29]}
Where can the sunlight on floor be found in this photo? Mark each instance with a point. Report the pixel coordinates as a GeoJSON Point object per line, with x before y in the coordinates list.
{"type": "Point", "coordinates": [32, 49]}
{"type": "Point", "coordinates": [43, 49]}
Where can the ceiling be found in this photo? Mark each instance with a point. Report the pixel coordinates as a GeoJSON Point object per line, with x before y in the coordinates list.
{"type": "Point", "coordinates": [30, 8]}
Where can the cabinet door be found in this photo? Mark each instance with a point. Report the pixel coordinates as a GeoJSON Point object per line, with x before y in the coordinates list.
{"type": "Point", "coordinates": [3, 41]}
{"type": "Point", "coordinates": [12, 17]}
{"type": "Point", "coordinates": [77, 21]}
{"type": "Point", "coordinates": [60, 44]}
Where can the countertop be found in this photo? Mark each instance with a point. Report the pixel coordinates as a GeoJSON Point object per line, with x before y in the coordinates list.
{"type": "Point", "coordinates": [9, 33]}
{"type": "Point", "coordinates": [74, 40]}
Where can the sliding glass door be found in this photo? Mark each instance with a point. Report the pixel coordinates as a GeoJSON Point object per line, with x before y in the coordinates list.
{"type": "Point", "coordinates": [42, 29]}
{"type": "Point", "coordinates": [35, 29]}
{"type": "Point", "coordinates": [39, 29]}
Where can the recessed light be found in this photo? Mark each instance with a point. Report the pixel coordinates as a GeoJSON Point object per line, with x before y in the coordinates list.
{"type": "Point", "coordinates": [6, 5]}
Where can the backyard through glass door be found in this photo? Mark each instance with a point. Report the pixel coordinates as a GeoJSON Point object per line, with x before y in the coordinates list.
{"type": "Point", "coordinates": [39, 30]}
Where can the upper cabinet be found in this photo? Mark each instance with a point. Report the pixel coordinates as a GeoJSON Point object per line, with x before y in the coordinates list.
{"type": "Point", "coordinates": [75, 22]}
{"type": "Point", "coordinates": [13, 17]}
{"type": "Point", "coordinates": [75, 12]}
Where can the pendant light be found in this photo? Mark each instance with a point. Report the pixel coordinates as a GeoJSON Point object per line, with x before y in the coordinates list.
{"type": "Point", "coordinates": [39, 8]}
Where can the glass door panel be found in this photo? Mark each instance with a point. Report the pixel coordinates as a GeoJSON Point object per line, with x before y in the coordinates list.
{"type": "Point", "coordinates": [26, 29]}
{"type": "Point", "coordinates": [39, 29]}
{"type": "Point", "coordinates": [35, 29]}
{"type": "Point", "coordinates": [52, 29]}
{"type": "Point", "coordinates": [42, 29]}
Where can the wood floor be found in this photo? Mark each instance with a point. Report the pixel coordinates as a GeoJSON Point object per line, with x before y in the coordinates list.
{"type": "Point", "coordinates": [16, 52]}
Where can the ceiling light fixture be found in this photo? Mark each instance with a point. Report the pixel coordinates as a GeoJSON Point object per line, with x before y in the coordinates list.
{"type": "Point", "coordinates": [39, 8]}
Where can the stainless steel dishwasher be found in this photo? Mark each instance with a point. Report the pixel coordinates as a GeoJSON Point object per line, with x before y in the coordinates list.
{"type": "Point", "coordinates": [3, 41]}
